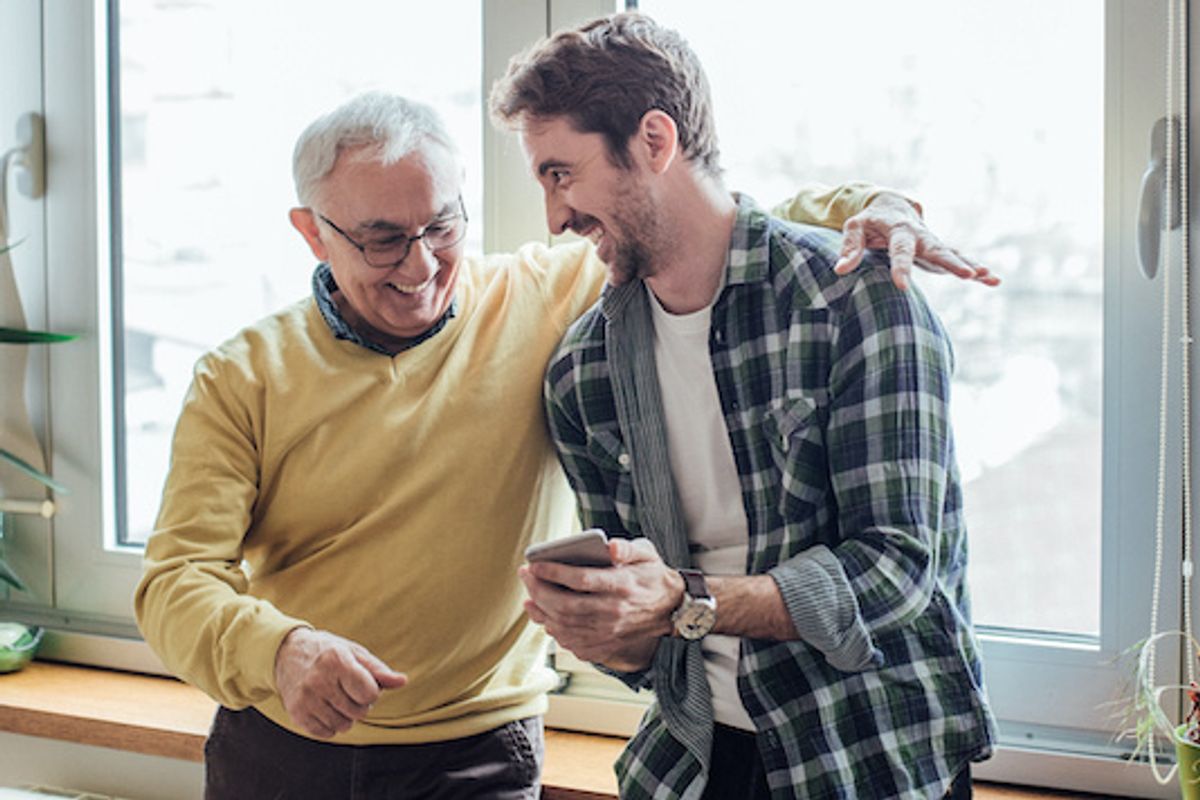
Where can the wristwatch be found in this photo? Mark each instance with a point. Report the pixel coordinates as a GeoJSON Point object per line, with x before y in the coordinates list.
{"type": "Point", "coordinates": [697, 613]}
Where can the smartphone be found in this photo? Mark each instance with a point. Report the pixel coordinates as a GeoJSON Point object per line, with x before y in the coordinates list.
{"type": "Point", "coordinates": [587, 549]}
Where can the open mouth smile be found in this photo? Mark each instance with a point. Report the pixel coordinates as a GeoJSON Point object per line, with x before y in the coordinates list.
{"type": "Point", "coordinates": [411, 288]}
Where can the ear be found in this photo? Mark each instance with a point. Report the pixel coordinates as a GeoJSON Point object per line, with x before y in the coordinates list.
{"type": "Point", "coordinates": [305, 221]}
{"type": "Point", "coordinates": [657, 139]}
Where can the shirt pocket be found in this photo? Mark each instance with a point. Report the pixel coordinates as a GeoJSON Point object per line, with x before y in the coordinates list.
{"type": "Point", "coordinates": [795, 433]}
{"type": "Point", "coordinates": [607, 451]}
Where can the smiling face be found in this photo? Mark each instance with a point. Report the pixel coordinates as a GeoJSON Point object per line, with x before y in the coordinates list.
{"type": "Point", "coordinates": [586, 193]}
{"type": "Point", "coordinates": [374, 203]}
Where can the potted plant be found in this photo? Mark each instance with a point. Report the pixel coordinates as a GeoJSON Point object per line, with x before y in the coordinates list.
{"type": "Point", "coordinates": [1187, 746]}
{"type": "Point", "coordinates": [1152, 727]}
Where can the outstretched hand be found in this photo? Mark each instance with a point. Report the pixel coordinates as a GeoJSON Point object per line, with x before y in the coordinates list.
{"type": "Point", "coordinates": [890, 222]}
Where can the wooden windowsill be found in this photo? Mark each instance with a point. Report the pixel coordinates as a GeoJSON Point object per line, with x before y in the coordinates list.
{"type": "Point", "coordinates": [164, 717]}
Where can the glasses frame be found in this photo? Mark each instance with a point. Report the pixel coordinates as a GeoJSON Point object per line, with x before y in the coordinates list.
{"type": "Point", "coordinates": [408, 240]}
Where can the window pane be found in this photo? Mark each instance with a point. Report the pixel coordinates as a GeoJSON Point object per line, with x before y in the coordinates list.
{"type": "Point", "coordinates": [991, 114]}
{"type": "Point", "coordinates": [212, 97]}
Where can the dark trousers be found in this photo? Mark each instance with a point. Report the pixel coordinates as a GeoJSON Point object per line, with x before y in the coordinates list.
{"type": "Point", "coordinates": [248, 756]}
{"type": "Point", "coordinates": [738, 772]}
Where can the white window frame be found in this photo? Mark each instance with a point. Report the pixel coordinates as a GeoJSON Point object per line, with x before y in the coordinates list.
{"type": "Point", "coordinates": [82, 583]}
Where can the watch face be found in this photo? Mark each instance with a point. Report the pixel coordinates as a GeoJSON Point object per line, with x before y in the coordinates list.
{"type": "Point", "coordinates": [696, 619]}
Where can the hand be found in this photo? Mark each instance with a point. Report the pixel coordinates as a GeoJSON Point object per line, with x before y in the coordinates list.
{"type": "Point", "coordinates": [327, 682]}
{"type": "Point", "coordinates": [608, 615]}
{"type": "Point", "coordinates": [890, 221]}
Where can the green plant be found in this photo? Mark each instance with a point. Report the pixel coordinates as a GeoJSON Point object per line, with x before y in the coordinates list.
{"type": "Point", "coordinates": [1146, 722]}
{"type": "Point", "coordinates": [20, 336]}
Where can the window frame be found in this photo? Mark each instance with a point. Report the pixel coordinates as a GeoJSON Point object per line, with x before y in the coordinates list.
{"type": "Point", "coordinates": [87, 582]}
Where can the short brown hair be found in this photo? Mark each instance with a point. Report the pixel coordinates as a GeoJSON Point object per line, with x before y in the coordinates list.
{"type": "Point", "coordinates": [605, 76]}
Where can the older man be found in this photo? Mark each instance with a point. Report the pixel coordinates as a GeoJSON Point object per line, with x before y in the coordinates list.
{"type": "Point", "coordinates": [769, 440]}
{"type": "Point", "coordinates": [352, 484]}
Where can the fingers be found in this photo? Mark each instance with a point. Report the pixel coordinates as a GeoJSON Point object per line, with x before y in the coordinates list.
{"type": "Point", "coordinates": [902, 247]}
{"type": "Point", "coordinates": [632, 551]}
{"type": "Point", "coordinates": [853, 246]}
{"type": "Point", "coordinates": [327, 683]}
{"type": "Point", "coordinates": [577, 579]}
{"type": "Point", "coordinates": [984, 275]}
{"type": "Point", "coordinates": [381, 675]}
{"type": "Point", "coordinates": [325, 721]}
{"type": "Point", "coordinates": [936, 257]}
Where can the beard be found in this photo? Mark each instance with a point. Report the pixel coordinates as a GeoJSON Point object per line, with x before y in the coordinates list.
{"type": "Point", "coordinates": [637, 235]}
{"type": "Point", "coordinates": [631, 260]}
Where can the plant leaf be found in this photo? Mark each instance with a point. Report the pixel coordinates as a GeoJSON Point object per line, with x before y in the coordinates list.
{"type": "Point", "coordinates": [10, 577]}
{"type": "Point", "coordinates": [33, 472]}
{"type": "Point", "coordinates": [21, 336]}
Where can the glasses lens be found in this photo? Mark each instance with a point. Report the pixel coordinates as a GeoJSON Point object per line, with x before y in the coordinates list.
{"type": "Point", "coordinates": [446, 233]}
{"type": "Point", "coordinates": [438, 236]}
{"type": "Point", "coordinates": [385, 254]}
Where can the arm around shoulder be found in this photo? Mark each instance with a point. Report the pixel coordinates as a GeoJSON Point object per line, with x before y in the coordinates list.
{"type": "Point", "coordinates": [830, 207]}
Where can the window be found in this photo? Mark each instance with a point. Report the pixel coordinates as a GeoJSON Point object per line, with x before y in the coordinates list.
{"type": "Point", "coordinates": [989, 146]}
{"type": "Point", "coordinates": [171, 127]}
{"type": "Point", "coordinates": [1022, 127]}
{"type": "Point", "coordinates": [1013, 134]}
{"type": "Point", "coordinates": [212, 97]}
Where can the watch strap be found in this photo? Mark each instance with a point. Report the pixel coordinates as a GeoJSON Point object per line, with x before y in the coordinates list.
{"type": "Point", "coordinates": [694, 583]}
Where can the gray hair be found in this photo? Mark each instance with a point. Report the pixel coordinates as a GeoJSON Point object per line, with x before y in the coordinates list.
{"type": "Point", "coordinates": [395, 126]}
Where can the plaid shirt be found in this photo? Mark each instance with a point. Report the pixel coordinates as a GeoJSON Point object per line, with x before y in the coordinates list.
{"type": "Point", "coordinates": [835, 394]}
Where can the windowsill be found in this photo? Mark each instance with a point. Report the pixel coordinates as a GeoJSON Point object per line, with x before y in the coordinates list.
{"type": "Point", "coordinates": [164, 717]}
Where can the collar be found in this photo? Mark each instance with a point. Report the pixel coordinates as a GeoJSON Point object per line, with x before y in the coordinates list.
{"type": "Point", "coordinates": [747, 260]}
{"type": "Point", "coordinates": [323, 288]}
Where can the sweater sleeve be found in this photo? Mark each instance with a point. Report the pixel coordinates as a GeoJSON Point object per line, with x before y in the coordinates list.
{"type": "Point", "coordinates": [816, 204]}
{"type": "Point", "coordinates": [572, 278]}
{"type": "Point", "coordinates": [191, 603]}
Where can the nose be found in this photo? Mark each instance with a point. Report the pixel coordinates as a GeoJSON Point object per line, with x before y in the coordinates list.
{"type": "Point", "coordinates": [558, 213]}
{"type": "Point", "coordinates": [420, 262]}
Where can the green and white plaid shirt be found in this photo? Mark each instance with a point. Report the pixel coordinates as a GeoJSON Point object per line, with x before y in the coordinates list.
{"type": "Point", "coordinates": [835, 394]}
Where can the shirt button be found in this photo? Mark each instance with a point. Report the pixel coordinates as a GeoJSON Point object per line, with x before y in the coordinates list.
{"type": "Point", "coordinates": [719, 336]}
{"type": "Point", "coordinates": [623, 460]}
{"type": "Point", "coordinates": [735, 405]}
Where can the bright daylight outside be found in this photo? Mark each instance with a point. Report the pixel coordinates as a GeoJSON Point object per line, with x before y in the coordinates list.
{"type": "Point", "coordinates": [213, 96]}
{"type": "Point", "coordinates": [990, 114]}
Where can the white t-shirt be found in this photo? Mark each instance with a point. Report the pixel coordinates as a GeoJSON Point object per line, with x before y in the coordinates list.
{"type": "Point", "coordinates": [706, 478]}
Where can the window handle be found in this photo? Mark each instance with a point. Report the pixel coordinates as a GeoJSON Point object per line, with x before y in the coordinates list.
{"type": "Point", "coordinates": [29, 156]}
{"type": "Point", "coordinates": [1154, 186]}
{"type": "Point", "coordinates": [27, 159]}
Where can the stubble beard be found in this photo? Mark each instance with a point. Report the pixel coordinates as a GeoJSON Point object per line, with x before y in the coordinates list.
{"type": "Point", "coordinates": [638, 234]}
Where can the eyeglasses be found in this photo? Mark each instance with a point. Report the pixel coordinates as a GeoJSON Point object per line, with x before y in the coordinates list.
{"type": "Point", "coordinates": [438, 235]}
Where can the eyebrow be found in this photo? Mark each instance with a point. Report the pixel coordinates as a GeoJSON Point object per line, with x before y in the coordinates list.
{"type": "Point", "coordinates": [388, 226]}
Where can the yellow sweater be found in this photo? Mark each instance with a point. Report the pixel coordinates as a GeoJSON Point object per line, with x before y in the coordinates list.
{"type": "Point", "coordinates": [386, 499]}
